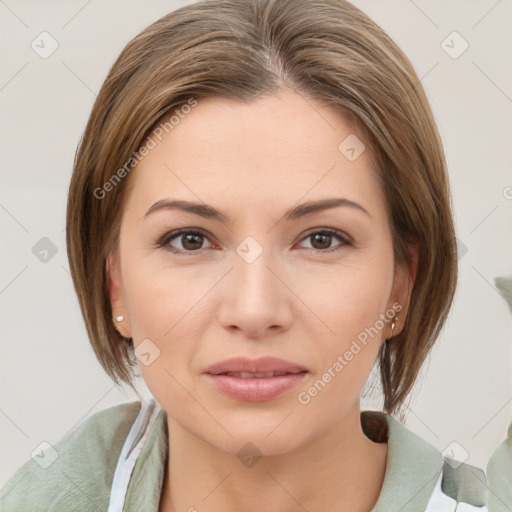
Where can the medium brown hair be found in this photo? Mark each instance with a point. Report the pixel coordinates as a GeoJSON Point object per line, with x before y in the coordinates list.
{"type": "Point", "coordinates": [240, 49]}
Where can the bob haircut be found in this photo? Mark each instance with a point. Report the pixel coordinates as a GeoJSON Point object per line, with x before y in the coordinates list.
{"type": "Point", "coordinates": [326, 50]}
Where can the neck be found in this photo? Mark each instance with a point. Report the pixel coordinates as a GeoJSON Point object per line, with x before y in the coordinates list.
{"type": "Point", "coordinates": [341, 470]}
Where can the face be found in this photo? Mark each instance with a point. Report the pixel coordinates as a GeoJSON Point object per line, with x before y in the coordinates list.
{"type": "Point", "coordinates": [316, 288]}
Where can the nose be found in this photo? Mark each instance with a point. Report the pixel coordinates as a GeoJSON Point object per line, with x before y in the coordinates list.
{"type": "Point", "coordinates": [257, 299]}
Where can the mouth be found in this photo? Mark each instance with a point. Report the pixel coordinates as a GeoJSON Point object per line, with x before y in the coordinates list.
{"type": "Point", "coordinates": [248, 375]}
{"type": "Point", "coordinates": [258, 380]}
{"type": "Point", "coordinates": [264, 367]}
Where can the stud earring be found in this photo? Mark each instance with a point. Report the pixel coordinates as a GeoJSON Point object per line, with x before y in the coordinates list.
{"type": "Point", "coordinates": [119, 318]}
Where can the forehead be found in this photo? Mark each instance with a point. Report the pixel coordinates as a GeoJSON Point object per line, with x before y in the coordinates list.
{"type": "Point", "coordinates": [275, 149]}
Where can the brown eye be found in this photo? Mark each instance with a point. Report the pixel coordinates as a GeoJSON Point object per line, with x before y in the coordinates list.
{"type": "Point", "coordinates": [189, 240]}
{"type": "Point", "coordinates": [192, 241]}
{"type": "Point", "coordinates": [321, 240]}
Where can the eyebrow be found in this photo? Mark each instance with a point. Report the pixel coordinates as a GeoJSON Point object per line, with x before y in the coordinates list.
{"type": "Point", "coordinates": [209, 212]}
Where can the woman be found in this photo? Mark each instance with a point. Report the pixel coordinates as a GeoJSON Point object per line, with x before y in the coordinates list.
{"type": "Point", "coordinates": [226, 136]}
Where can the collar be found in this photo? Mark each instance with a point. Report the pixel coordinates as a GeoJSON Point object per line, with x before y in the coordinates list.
{"type": "Point", "coordinates": [413, 465]}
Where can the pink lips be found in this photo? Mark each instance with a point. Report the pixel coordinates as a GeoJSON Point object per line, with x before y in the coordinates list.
{"type": "Point", "coordinates": [232, 377]}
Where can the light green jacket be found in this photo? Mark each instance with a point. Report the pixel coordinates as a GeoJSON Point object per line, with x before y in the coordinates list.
{"type": "Point", "coordinates": [499, 476]}
{"type": "Point", "coordinates": [81, 477]}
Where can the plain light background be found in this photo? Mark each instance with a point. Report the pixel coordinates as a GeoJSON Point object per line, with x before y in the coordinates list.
{"type": "Point", "coordinates": [50, 380]}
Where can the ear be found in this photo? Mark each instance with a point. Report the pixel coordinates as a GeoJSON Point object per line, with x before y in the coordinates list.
{"type": "Point", "coordinates": [405, 276]}
{"type": "Point", "coordinates": [117, 302]}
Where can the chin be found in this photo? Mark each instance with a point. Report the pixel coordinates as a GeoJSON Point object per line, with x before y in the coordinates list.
{"type": "Point", "coordinates": [265, 433]}
{"type": "Point", "coordinates": [255, 444]}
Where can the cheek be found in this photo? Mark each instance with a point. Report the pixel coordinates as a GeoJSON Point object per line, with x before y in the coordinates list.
{"type": "Point", "coordinates": [165, 308]}
{"type": "Point", "coordinates": [350, 302]}
{"type": "Point", "coordinates": [345, 357]}
{"type": "Point", "coordinates": [157, 296]}
{"type": "Point", "coordinates": [348, 298]}
{"type": "Point", "coordinates": [168, 306]}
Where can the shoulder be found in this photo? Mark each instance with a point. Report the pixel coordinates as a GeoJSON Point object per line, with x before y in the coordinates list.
{"type": "Point", "coordinates": [464, 483]}
{"type": "Point", "coordinates": [75, 473]}
{"type": "Point", "coordinates": [499, 475]}
{"type": "Point", "coordinates": [419, 475]}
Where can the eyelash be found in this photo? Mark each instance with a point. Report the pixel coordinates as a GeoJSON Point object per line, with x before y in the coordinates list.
{"type": "Point", "coordinates": [164, 241]}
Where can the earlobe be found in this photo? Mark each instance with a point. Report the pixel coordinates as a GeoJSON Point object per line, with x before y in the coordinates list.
{"type": "Point", "coordinates": [118, 306]}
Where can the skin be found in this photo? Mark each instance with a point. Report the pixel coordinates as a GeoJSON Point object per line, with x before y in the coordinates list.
{"type": "Point", "coordinates": [253, 162]}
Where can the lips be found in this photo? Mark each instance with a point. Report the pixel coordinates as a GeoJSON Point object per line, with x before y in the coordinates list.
{"type": "Point", "coordinates": [255, 380]}
{"type": "Point", "coordinates": [248, 375]}
{"type": "Point", "coordinates": [257, 368]}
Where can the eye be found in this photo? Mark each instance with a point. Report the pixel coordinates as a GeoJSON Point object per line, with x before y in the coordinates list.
{"type": "Point", "coordinates": [189, 243]}
{"type": "Point", "coordinates": [321, 240]}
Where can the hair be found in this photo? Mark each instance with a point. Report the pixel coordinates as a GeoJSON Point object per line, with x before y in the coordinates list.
{"type": "Point", "coordinates": [326, 50]}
